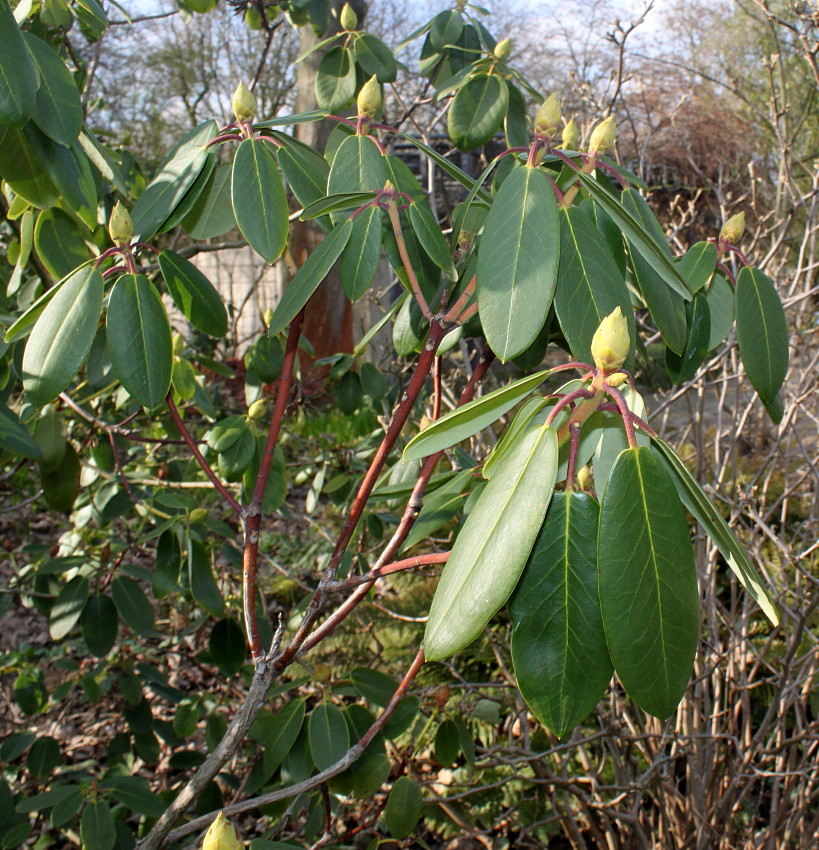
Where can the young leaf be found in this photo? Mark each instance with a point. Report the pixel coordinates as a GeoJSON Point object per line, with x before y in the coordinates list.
{"type": "Point", "coordinates": [329, 735]}
{"type": "Point", "coordinates": [559, 650]}
{"type": "Point", "coordinates": [648, 582]}
{"type": "Point", "coordinates": [62, 336]}
{"type": "Point", "coordinates": [762, 332]}
{"type": "Point", "coordinates": [359, 262]}
{"type": "Point", "coordinates": [486, 561]}
{"type": "Point", "coordinates": [18, 78]}
{"type": "Point", "coordinates": [683, 367]}
{"type": "Point", "coordinates": [699, 505]}
{"type": "Point", "coordinates": [259, 200]}
{"type": "Point", "coordinates": [477, 111]}
{"type": "Point", "coordinates": [139, 339]}
{"type": "Point", "coordinates": [194, 294]}
{"type": "Point", "coordinates": [517, 262]}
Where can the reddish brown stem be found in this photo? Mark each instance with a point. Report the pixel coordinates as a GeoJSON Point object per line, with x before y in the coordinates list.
{"type": "Point", "coordinates": [469, 290]}
{"type": "Point", "coordinates": [389, 569]}
{"type": "Point", "coordinates": [566, 400]}
{"type": "Point", "coordinates": [436, 392]}
{"type": "Point", "coordinates": [392, 210]}
{"type": "Point", "coordinates": [624, 412]}
{"type": "Point", "coordinates": [574, 442]}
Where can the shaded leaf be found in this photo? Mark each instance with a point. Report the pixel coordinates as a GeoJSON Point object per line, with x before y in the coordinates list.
{"type": "Point", "coordinates": [329, 735]}
{"type": "Point", "coordinates": [477, 111]}
{"type": "Point", "coordinates": [683, 367]}
{"type": "Point", "coordinates": [99, 625]}
{"type": "Point", "coordinates": [202, 583]}
{"type": "Point", "coordinates": [18, 79]}
{"type": "Point", "coordinates": [133, 605]}
{"type": "Point", "coordinates": [194, 295]}
{"type": "Point", "coordinates": [404, 807]}
{"type": "Point", "coordinates": [97, 827]}
{"type": "Point", "coordinates": [335, 79]}
{"type": "Point", "coordinates": [359, 263]}
{"type": "Point", "coordinates": [59, 241]}
{"type": "Point", "coordinates": [212, 214]}
{"type": "Point", "coordinates": [68, 607]}
{"type": "Point", "coordinates": [14, 437]}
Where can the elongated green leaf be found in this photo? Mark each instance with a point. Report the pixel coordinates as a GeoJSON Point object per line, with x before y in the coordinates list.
{"type": "Point", "coordinates": [648, 582]}
{"type": "Point", "coordinates": [335, 79]}
{"type": "Point", "coordinates": [720, 297]}
{"type": "Point", "coordinates": [192, 196]}
{"type": "Point", "coordinates": [133, 605]}
{"type": "Point", "coordinates": [359, 262]}
{"type": "Point", "coordinates": [99, 625]}
{"type": "Point", "coordinates": [517, 262]}
{"type": "Point", "coordinates": [202, 583]}
{"type": "Point", "coordinates": [259, 200]}
{"type": "Point", "coordinates": [715, 526]}
{"type": "Point", "coordinates": [290, 120]}
{"type": "Point", "coordinates": [376, 58]}
{"type": "Point", "coordinates": [429, 235]}
{"type": "Point", "coordinates": [277, 733]}
{"type": "Point", "coordinates": [194, 294]}
{"type": "Point", "coordinates": [68, 607]}
{"type": "Point", "coordinates": [762, 332]}
{"type": "Point", "coordinates": [212, 214]}
{"type": "Point", "coordinates": [329, 735]}
{"type": "Point", "coordinates": [589, 284]}
{"type": "Point", "coordinates": [336, 203]}
{"type": "Point", "coordinates": [62, 485]}
{"type": "Point", "coordinates": [486, 561]}
{"type": "Point", "coordinates": [440, 507]}
{"type": "Point", "coordinates": [445, 29]}
{"type": "Point", "coordinates": [470, 418]}
{"type": "Point", "coordinates": [18, 79]}
{"type": "Point", "coordinates": [24, 170]}
{"type": "Point", "coordinates": [62, 336]}
{"type": "Point", "coordinates": [477, 111]}
{"type": "Point", "coordinates": [309, 276]}
{"type": "Point", "coordinates": [559, 650]}
{"type": "Point", "coordinates": [139, 339]}
{"type": "Point", "coordinates": [59, 242]}
{"type": "Point", "coordinates": [103, 161]}
{"type": "Point", "coordinates": [525, 418]}
{"type": "Point", "coordinates": [177, 174]}
{"type": "Point", "coordinates": [698, 264]}
{"type": "Point", "coordinates": [14, 437]}
{"type": "Point", "coordinates": [404, 807]}
{"type": "Point", "coordinates": [97, 827]}
{"type": "Point", "coordinates": [133, 791]}
{"type": "Point", "coordinates": [306, 178]}
{"type": "Point", "coordinates": [57, 108]}
{"type": "Point", "coordinates": [683, 367]}
{"type": "Point", "coordinates": [358, 166]}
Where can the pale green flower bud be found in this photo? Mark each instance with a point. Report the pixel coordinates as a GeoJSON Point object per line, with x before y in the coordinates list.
{"type": "Point", "coordinates": [503, 49]}
{"type": "Point", "coordinates": [548, 116]}
{"type": "Point", "coordinates": [369, 99]}
{"type": "Point", "coordinates": [198, 515]}
{"type": "Point", "coordinates": [570, 136]}
{"type": "Point", "coordinates": [257, 410]}
{"type": "Point", "coordinates": [222, 836]}
{"type": "Point", "coordinates": [611, 343]}
{"type": "Point", "coordinates": [243, 104]}
{"type": "Point", "coordinates": [603, 136]}
{"type": "Point", "coordinates": [733, 229]}
{"type": "Point", "coordinates": [348, 18]}
{"type": "Point", "coordinates": [120, 226]}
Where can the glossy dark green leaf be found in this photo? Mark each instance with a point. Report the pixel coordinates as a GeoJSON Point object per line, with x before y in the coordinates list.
{"type": "Point", "coordinates": [60, 242]}
{"type": "Point", "coordinates": [176, 176]}
{"type": "Point", "coordinates": [97, 827]}
{"type": "Point", "coordinates": [358, 166]}
{"type": "Point", "coordinates": [235, 459]}
{"type": "Point", "coordinates": [202, 583]}
{"type": "Point", "coordinates": [329, 735]}
{"type": "Point", "coordinates": [24, 171]}
{"type": "Point", "coordinates": [62, 485]}
{"type": "Point", "coordinates": [259, 199]}
{"type": "Point", "coordinates": [447, 743]}
{"type": "Point", "coordinates": [15, 438]}
{"type": "Point", "coordinates": [404, 807]}
{"type": "Point", "coordinates": [168, 564]}
{"type": "Point", "coordinates": [194, 295]}
{"type": "Point", "coordinates": [43, 756]}
{"type": "Point", "coordinates": [762, 332]}
{"type": "Point", "coordinates": [193, 194]}
{"type": "Point", "coordinates": [360, 259]}
{"type": "Point", "coordinates": [559, 650]}
{"type": "Point", "coordinates": [50, 435]}
{"type": "Point", "coordinates": [775, 409]}
{"type": "Point", "coordinates": [477, 111]}
{"type": "Point", "coordinates": [665, 305]}
{"type": "Point", "coordinates": [45, 800]}
{"type": "Point", "coordinates": [57, 108]}
{"type": "Point", "coordinates": [227, 646]}
{"type": "Point", "coordinates": [99, 625]}
{"type": "Point", "coordinates": [266, 358]}
{"type": "Point", "coordinates": [307, 279]}
{"type": "Point", "coordinates": [715, 526]}
{"type": "Point", "coordinates": [589, 284]}
{"type": "Point", "coordinates": [486, 561]}
{"type": "Point", "coordinates": [66, 809]}
{"type": "Point", "coordinates": [335, 79]}
{"type": "Point", "coordinates": [133, 605]}
{"type": "Point", "coordinates": [133, 792]}
{"type": "Point", "coordinates": [68, 607]}
{"type": "Point", "coordinates": [139, 339]}
{"type": "Point", "coordinates": [720, 297]}
{"type": "Point", "coordinates": [648, 582]}
{"type": "Point", "coordinates": [697, 265]}
{"type": "Point", "coordinates": [517, 263]}
{"type": "Point", "coordinates": [375, 58]}
{"type": "Point", "coordinates": [445, 29]}
{"type": "Point", "coordinates": [516, 123]}
{"type": "Point", "coordinates": [349, 393]}
{"type": "Point", "coordinates": [470, 418]}
{"type": "Point", "coordinates": [212, 214]}
{"type": "Point", "coordinates": [62, 336]}
{"type": "Point", "coordinates": [278, 732]}
{"type": "Point", "coordinates": [306, 177]}
{"type": "Point", "coordinates": [428, 233]}
{"type": "Point", "coordinates": [683, 367]}
{"type": "Point", "coordinates": [18, 78]}
{"type": "Point", "coordinates": [336, 203]}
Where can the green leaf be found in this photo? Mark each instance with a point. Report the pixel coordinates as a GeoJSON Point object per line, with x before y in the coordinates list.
{"type": "Point", "coordinates": [762, 332]}
{"type": "Point", "coordinates": [429, 235]}
{"type": "Point", "coordinates": [278, 732]}
{"type": "Point", "coordinates": [336, 203]}
{"type": "Point", "coordinates": [648, 582]}
{"type": "Point", "coordinates": [447, 743]}
{"type": "Point", "coordinates": [698, 264]}
{"type": "Point", "coordinates": [43, 756]}
{"type": "Point", "coordinates": [664, 303]}
{"type": "Point", "coordinates": [68, 607]}
{"type": "Point", "coordinates": [227, 646]}
{"type": "Point", "coordinates": [259, 200]}
{"type": "Point", "coordinates": [775, 409]}
{"type": "Point", "coordinates": [720, 297]}
{"type": "Point", "coordinates": [57, 109]}
{"type": "Point", "coordinates": [45, 800]}
{"type": "Point", "coordinates": [470, 418]}
{"type": "Point", "coordinates": [486, 561]}
{"type": "Point", "coordinates": [62, 485]}
{"type": "Point", "coordinates": [97, 827]}
{"type": "Point", "coordinates": [212, 214]}
{"type": "Point", "coordinates": [517, 262]}
{"type": "Point", "coordinates": [62, 336]}
{"type": "Point", "coordinates": [525, 418]}
{"type": "Point", "coordinates": [683, 367]}
{"type": "Point", "coordinates": [59, 242]}
{"type": "Point", "coordinates": [192, 195]}
{"type": "Point", "coordinates": [133, 792]}
{"type": "Point", "coordinates": [375, 58]}
{"type": "Point", "coordinates": [202, 583]}
{"type": "Point", "coordinates": [589, 284]}
{"type": "Point", "coordinates": [14, 437]}
{"type": "Point", "coordinates": [307, 279]}
{"type": "Point", "coordinates": [306, 175]}
{"type": "Point", "coordinates": [99, 625]}
{"type": "Point", "coordinates": [133, 605]}
{"type": "Point", "coordinates": [358, 166]}
{"type": "Point", "coordinates": [329, 735]}
{"type": "Point", "coordinates": [715, 526]}
{"type": "Point", "coordinates": [439, 508]}
{"type": "Point", "coordinates": [335, 79]}
{"type": "Point", "coordinates": [194, 294]}
{"type": "Point", "coordinates": [18, 78]}
{"type": "Point", "coordinates": [477, 111]}
{"type": "Point", "coordinates": [559, 650]}
{"type": "Point", "coordinates": [176, 175]}
{"type": "Point", "coordinates": [445, 29]}
{"type": "Point", "coordinates": [404, 807]}
{"type": "Point", "coordinates": [139, 339]}
{"type": "Point", "coordinates": [24, 170]}
{"type": "Point", "coordinates": [168, 564]}
{"type": "Point", "coordinates": [360, 259]}
{"type": "Point", "coordinates": [103, 161]}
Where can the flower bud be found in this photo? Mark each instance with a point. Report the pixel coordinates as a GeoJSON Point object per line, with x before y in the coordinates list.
{"type": "Point", "coordinates": [222, 836]}
{"type": "Point", "coordinates": [571, 136]}
{"type": "Point", "coordinates": [348, 18]}
{"type": "Point", "coordinates": [120, 226]}
{"type": "Point", "coordinates": [257, 409]}
{"type": "Point", "coordinates": [243, 103]}
{"type": "Point", "coordinates": [603, 136]}
{"type": "Point", "coordinates": [611, 344]}
{"type": "Point", "coordinates": [369, 99]}
{"type": "Point", "coordinates": [584, 477]}
{"type": "Point", "coordinates": [548, 116]}
{"type": "Point", "coordinates": [733, 229]}
{"type": "Point", "coordinates": [178, 344]}
{"type": "Point", "coordinates": [198, 514]}
{"type": "Point", "coordinates": [503, 49]}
